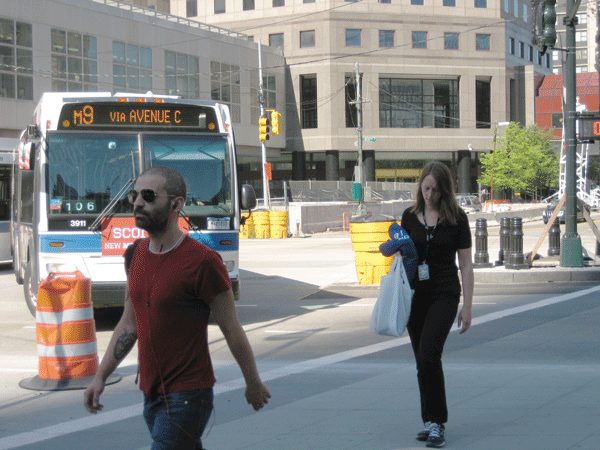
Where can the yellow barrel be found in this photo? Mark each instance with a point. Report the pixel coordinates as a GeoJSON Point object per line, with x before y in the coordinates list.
{"type": "Point", "coordinates": [367, 234]}
{"type": "Point", "coordinates": [262, 227]}
{"type": "Point", "coordinates": [279, 224]}
{"type": "Point", "coordinates": [247, 230]}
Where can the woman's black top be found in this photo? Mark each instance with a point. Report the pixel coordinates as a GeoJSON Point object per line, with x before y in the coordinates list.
{"type": "Point", "coordinates": [439, 253]}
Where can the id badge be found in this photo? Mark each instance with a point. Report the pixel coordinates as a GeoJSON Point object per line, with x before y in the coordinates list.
{"type": "Point", "coordinates": [423, 272]}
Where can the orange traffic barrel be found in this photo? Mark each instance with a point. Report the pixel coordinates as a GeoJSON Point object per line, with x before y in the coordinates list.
{"type": "Point", "coordinates": [65, 334]}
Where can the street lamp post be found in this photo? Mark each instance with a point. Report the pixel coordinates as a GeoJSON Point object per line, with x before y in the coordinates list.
{"type": "Point", "coordinates": [498, 124]}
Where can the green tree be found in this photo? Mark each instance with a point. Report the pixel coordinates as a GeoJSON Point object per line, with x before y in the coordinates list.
{"type": "Point", "coordinates": [524, 161]}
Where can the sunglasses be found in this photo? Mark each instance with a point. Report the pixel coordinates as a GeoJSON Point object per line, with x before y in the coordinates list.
{"type": "Point", "coordinates": [148, 195]}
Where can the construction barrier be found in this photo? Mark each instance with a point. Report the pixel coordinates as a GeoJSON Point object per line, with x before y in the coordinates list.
{"type": "Point", "coordinates": [279, 224]}
{"type": "Point", "coordinates": [65, 334]}
{"type": "Point", "coordinates": [367, 234]}
{"type": "Point", "coordinates": [247, 230]}
{"type": "Point", "coordinates": [262, 225]}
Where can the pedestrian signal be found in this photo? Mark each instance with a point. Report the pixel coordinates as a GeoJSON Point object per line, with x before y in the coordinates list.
{"type": "Point", "coordinates": [276, 122]}
{"type": "Point", "coordinates": [263, 128]}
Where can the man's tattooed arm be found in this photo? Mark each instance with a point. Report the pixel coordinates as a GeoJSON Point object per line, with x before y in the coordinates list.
{"type": "Point", "coordinates": [123, 345]}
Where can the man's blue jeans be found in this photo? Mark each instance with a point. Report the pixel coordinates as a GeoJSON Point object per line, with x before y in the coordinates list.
{"type": "Point", "coordinates": [176, 421]}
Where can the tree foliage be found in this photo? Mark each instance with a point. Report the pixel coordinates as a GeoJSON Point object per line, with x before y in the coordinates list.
{"type": "Point", "coordinates": [523, 161]}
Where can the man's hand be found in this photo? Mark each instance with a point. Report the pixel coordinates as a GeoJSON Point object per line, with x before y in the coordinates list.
{"type": "Point", "coordinates": [91, 396]}
{"type": "Point", "coordinates": [257, 395]}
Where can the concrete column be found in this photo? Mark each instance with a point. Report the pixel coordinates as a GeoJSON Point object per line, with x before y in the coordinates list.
{"type": "Point", "coordinates": [463, 172]}
{"type": "Point", "coordinates": [369, 164]}
{"type": "Point", "coordinates": [298, 165]}
{"type": "Point", "coordinates": [332, 165]}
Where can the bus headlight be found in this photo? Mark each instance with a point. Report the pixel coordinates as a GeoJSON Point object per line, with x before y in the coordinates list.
{"type": "Point", "coordinates": [61, 267]}
{"type": "Point", "coordinates": [229, 265]}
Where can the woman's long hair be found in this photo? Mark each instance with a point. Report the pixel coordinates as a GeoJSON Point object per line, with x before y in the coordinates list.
{"type": "Point", "coordinates": [449, 209]}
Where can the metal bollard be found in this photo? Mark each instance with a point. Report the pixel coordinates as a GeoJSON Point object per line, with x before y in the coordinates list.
{"type": "Point", "coordinates": [482, 258]}
{"type": "Point", "coordinates": [516, 258]}
{"type": "Point", "coordinates": [504, 241]}
{"type": "Point", "coordinates": [554, 239]}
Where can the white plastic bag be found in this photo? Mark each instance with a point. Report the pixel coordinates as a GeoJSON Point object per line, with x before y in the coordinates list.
{"type": "Point", "coordinates": [391, 311]}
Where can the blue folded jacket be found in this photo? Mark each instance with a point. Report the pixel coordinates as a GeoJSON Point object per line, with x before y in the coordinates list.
{"type": "Point", "coordinates": [401, 241]}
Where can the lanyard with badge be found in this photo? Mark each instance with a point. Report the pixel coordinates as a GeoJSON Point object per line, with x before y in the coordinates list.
{"type": "Point", "coordinates": [423, 269]}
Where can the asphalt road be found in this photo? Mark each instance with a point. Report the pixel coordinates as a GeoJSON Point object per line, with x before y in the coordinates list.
{"type": "Point", "coordinates": [300, 303]}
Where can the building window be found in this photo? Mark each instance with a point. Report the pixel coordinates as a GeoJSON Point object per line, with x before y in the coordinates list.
{"type": "Point", "coordinates": [276, 40]}
{"type": "Point", "coordinates": [386, 38]}
{"type": "Point", "coordinates": [132, 67]}
{"type": "Point", "coordinates": [353, 37]}
{"type": "Point", "coordinates": [482, 42]}
{"type": "Point", "coordinates": [531, 53]}
{"type": "Point", "coordinates": [248, 5]}
{"type": "Point", "coordinates": [351, 109]}
{"type": "Point", "coordinates": [516, 11]}
{"type": "Point", "coordinates": [451, 41]}
{"type": "Point", "coordinates": [525, 13]}
{"type": "Point", "coordinates": [507, 6]}
{"type": "Point", "coordinates": [385, 1]}
{"type": "Point", "coordinates": [16, 60]}
{"type": "Point", "coordinates": [483, 103]}
{"type": "Point", "coordinates": [450, 3]}
{"type": "Point", "coordinates": [308, 101]}
{"type": "Point", "coordinates": [308, 1]}
{"type": "Point", "coordinates": [416, 2]}
{"type": "Point", "coordinates": [582, 19]}
{"type": "Point", "coordinates": [581, 36]}
{"type": "Point", "coordinates": [511, 46]}
{"type": "Point", "coordinates": [307, 39]}
{"type": "Point", "coordinates": [480, 3]}
{"type": "Point", "coordinates": [225, 87]}
{"type": "Point", "coordinates": [410, 103]}
{"type": "Point", "coordinates": [182, 75]}
{"type": "Point", "coordinates": [278, 3]}
{"type": "Point", "coordinates": [74, 61]}
{"type": "Point", "coordinates": [191, 8]}
{"type": "Point", "coordinates": [419, 39]}
{"type": "Point", "coordinates": [220, 7]}
{"type": "Point", "coordinates": [581, 54]}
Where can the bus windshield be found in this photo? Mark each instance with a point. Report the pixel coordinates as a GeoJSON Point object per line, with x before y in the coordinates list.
{"type": "Point", "coordinates": [86, 171]}
{"type": "Point", "coordinates": [205, 164]}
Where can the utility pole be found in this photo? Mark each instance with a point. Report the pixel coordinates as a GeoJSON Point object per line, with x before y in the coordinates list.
{"type": "Point", "coordinates": [362, 209]}
{"type": "Point", "coordinates": [572, 251]}
{"type": "Point", "coordinates": [261, 101]}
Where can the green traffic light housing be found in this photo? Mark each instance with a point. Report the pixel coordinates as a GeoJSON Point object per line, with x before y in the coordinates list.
{"type": "Point", "coordinates": [548, 38]}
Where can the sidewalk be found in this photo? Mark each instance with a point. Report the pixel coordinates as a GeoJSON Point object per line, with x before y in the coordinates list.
{"type": "Point", "coordinates": [522, 378]}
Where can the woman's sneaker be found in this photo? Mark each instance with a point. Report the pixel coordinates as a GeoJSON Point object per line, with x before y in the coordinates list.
{"type": "Point", "coordinates": [436, 436]}
{"type": "Point", "coordinates": [423, 435]}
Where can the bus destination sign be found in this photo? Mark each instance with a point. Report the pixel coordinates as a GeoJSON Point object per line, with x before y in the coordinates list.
{"type": "Point", "coordinates": [137, 116]}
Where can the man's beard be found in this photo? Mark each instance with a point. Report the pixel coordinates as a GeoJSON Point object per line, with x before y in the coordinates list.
{"type": "Point", "coordinates": [155, 223]}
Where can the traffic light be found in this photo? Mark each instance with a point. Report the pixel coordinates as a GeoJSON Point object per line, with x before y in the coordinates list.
{"type": "Point", "coordinates": [276, 122]}
{"type": "Point", "coordinates": [263, 128]}
{"type": "Point", "coordinates": [548, 38]}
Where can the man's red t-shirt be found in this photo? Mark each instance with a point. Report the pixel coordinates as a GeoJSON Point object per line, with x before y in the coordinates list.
{"type": "Point", "coordinates": [171, 294]}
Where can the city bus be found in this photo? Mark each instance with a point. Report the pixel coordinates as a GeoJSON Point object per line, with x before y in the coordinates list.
{"type": "Point", "coordinates": [81, 156]}
{"type": "Point", "coordinates": [7, 160]}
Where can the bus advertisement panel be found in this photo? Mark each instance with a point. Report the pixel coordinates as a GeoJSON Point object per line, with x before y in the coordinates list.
{"type": "Point", "coordinates": [81, 156]}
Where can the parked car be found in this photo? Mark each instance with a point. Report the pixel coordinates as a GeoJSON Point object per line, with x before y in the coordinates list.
{"type": "Point", "coordinates": [547, 213]}
{"type": "Point", "coordinates": [470, 203]}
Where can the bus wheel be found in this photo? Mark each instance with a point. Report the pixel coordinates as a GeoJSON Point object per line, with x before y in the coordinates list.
{"type": "Point", "coordinates": [30, 292]}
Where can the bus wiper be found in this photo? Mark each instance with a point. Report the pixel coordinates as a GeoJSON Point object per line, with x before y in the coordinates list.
{"type": "Point", "coordinates": [95, 226]}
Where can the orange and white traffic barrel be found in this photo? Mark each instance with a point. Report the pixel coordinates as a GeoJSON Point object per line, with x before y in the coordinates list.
{"type": "Point", "coordinates": [65, 333]}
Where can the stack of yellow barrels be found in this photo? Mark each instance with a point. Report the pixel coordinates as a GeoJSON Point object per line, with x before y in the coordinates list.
{"type": "Point", "coordinates": [262, 225]}
{"type": "Point", "coordinates": [279, 224]}
{"type": "Point", "coordinates": [247, 230]}
{"type": "Point", "coordinates": [368, 233]}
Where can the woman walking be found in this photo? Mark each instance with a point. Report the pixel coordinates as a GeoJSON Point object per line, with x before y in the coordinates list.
{"type": "Point", "coordinates": [440, 229]}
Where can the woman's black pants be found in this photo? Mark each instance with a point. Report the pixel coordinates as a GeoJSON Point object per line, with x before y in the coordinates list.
{"type": "Point", "coordinates": [430, 321]}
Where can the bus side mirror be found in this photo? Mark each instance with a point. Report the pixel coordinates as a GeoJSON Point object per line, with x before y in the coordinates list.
{"type": "Point", "coordinates": [247, 197]}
